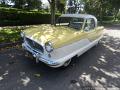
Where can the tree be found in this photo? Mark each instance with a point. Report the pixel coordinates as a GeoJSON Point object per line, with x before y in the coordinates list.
{"type": "Point", "coordinates": [3, 3]}
{"type": "Point", "coordinates": [115, 6]}
{"type": "Point", "coordinates": [52, 10]}
{"type": "Point", "coordinates": [33, 4]}
{"type": "Point", "coordinates": [75, 6]}
{"type": "Point", "coordinates": [60, 5]}
{"type": "Point", "coordinates": [29, 4]}
{"type": "Point", "coordinates": [101, 8]}
{"type": "Point", "coordinates": [97, 7]}
{"type": "Point", "coordinates": [19, 3]}
{"type": "Point", "coordinates": [71, 6]}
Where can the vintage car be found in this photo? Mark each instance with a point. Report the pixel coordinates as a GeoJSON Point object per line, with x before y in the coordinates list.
{"type": "Point", "coordinates": [73, 35]}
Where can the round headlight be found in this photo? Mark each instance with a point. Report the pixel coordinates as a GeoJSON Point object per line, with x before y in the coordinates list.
{"type": "Point", "coordinates": [22, 34]}
{"type": "Point", "coordinates": [48, 47]}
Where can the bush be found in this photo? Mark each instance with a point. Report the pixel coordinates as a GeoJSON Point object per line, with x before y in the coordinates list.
{"type": "Point", "coordinates": [22, 17]}
{"type": "Point", "coordinates": [8, 35]}
{"type": "Point", "coordinates": [118, 16]}
{"type": "Point", "coordinates": [108, 18]}
{"type": "Point", "coordinates": [12, 34]}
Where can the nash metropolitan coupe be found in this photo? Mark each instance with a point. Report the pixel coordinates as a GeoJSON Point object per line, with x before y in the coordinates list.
{"type": "Point", "coordinates": [73, 35]}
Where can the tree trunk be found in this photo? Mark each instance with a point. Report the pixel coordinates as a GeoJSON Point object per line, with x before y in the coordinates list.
{"type": "Point", "coordinates": [52, 12]}
{"type": "Point", "coordinates": [115, 14]}
{"type": "Point", "coordinates": [101, 12]}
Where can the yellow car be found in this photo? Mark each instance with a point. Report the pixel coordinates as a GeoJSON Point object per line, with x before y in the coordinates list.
{"type": "Point", "coordinates": [73, 35]}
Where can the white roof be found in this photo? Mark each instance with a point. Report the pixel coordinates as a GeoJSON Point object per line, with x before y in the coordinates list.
{"type": "Point", "coordinates": [78, 15]}
{"type": "Point", "coordinates": [85, 16]}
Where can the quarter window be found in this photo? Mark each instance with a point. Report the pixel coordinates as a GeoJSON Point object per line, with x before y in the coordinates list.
{"type": "Point", "coordinates": [89, 24]}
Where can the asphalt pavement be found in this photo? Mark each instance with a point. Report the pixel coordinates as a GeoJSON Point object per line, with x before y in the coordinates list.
{"type": "Point", "coordinates": [97, 69]}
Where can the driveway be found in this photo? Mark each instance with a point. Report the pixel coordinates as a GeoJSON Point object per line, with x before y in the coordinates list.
{"type": "Point", "coordinates": [99, 68]}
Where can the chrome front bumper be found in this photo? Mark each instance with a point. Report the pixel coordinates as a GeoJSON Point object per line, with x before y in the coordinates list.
{"type": "Point", "coordinates": [41, 57]}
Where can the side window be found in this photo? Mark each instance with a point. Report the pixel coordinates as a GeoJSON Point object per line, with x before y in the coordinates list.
{"type": "Point", "coordinates": [89, 24]}
{"type": "Point", "coordinates": [92, 24]}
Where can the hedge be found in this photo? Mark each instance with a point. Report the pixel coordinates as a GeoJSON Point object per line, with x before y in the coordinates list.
{"type": "Point", "coordinates": [22, 17]}
{"type": "Point", "coordinates": [108, 18]}
{"type": "Point", "coordinates": [118, 16]}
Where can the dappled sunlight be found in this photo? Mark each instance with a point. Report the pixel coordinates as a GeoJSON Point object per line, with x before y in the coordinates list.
{"type": "Point", "coordinates": [85, 77]}
{"type": "Point", "coordinates": [104, 68]}
{"type": "Point", "coordinates": [97, 69]}
{"type": "Point", "coordinates": [112, 49]}
{"type": "Point", "coordinates": [11, 55]}
{"type": "Point", "coordinates": [1, 78]}
{"type": "Point", "coordinates": [102, 80]}
{"type": "Point", "coordinates": [39, 88]}
{"type": "Point", "coordinates": [113, 74]}
{"type": "Point", "coordinates": [25, 81]}
{"type": "Point", "coordinates": [102, 60]}
{"type": "Point", "coordinates": [22, 73]}
{"type": "Point", "coordinates": [113, 33]}
{"type": "Point", "coordinates": [6, 73]}
{"type": "Point", "coordinates": [3, 75]}
{"type": "Point", "coordinates": [87, 81]}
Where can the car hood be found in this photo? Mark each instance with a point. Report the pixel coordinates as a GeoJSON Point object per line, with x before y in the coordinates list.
{"type": "Point", "coordinates": [57, 35]}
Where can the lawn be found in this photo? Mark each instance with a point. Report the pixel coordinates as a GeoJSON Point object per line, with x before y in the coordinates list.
{"type": "Point", "coordinates": [10, 34]}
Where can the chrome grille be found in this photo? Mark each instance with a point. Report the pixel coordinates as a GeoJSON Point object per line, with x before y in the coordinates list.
{"type": "Point", "coordinates": [34, 45]}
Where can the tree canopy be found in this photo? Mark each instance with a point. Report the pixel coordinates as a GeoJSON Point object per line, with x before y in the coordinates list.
{"type": "Point", "coordinates": [26, 4]}
{"type": "Point", "coordinates": [99, 8]}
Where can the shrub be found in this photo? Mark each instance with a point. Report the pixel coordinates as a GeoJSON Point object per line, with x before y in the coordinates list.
{"type": "Point", "coordinates": [108, 18]}
{"type": "Point", "coordinates": [22, 17]}
{"type": "Point", "coordinates": [8, 35]}
{"type": "Point", "coordinates": [118, 16]}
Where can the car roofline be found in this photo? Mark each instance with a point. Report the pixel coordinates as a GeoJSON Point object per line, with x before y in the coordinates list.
{"type": "Point", "coordinates": [78, 15]}
{"type": "Point", "coordinates": [84, 16]}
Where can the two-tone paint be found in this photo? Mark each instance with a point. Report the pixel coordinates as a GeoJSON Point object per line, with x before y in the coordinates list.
{"type": "Point", "coordinates": [67, 42]}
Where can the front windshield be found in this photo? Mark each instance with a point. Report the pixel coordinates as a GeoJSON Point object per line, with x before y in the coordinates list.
{"type": "Point", "coordinates": [75, 23]}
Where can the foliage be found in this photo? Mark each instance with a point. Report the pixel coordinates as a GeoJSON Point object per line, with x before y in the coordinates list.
{"type": "Point", "coordinates": [108, 18]}
{"type": "Point", "coordinates": [118, 16]}
{"type": "Point", "coordinates": [75, 6]}
{"type": "Point", "coordinates": [96, 7]}
{"type": "Point", "coordinates": [33, 4]}
{"type": "Point", "coordinates": [4, 2]}
{"type": "Point", "coordinates": [116, 7]}
{"type": "Point", "coordinates": [11, 34]}
{"type": "Point", "coordinates": [21, 17]}
{"type": "Point", "coordinates": [101, 8]}
{"type": "Point", "coordinates": [8, 35]}
{"type": "Point", "coordinates": [28, 4]}
{"type": "Point", "coordinates": [60, 5]}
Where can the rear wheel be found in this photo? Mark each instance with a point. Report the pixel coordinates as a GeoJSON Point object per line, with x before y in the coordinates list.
{"type": "Point", "coordinates": [67, 63]}
{"type": "Point", "coordinates": [97, 43]}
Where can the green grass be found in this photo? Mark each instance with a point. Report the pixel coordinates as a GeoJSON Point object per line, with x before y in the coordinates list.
{"type": "Point", "coordinates": [10, 34]}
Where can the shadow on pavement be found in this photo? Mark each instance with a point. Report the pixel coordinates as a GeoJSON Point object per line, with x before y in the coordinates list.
{"type": "Point", "coordinates": [99, 68]}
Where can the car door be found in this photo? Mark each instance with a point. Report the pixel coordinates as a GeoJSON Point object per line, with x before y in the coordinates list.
{"type": "Point", "coordinates": [89, 29]}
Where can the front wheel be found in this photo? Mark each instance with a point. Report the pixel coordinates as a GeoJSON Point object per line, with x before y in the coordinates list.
{"type": "Point", "coordinates": [67, 63]}
{"type": "Point", "coordinates": [97, 43]}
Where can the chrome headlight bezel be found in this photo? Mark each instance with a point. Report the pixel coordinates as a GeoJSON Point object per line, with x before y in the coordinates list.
{"type": "Point", "coordinates": [48, 47]}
